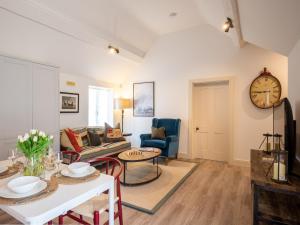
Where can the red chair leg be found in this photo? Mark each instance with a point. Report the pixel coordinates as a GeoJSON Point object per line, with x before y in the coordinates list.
{"type": "Point", "coordinates": [50, 222]}
{"type": "Point", "coordinates": [61, 220]}
{"type": "Point", "coordinates": [96, 218]}
{"type": "Point", "coordinates": [120, 212]}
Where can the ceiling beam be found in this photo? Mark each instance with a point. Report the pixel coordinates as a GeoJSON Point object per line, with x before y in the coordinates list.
{"type": "Point", "coordinates": [233, 11]}
{"type": "Point", "coordinates": [51, 19]}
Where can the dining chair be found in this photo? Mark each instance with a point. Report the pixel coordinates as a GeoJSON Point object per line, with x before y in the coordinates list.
{"type": "Point", "coordinates": [99, 204]}
{"type": "Point", "coordinates": [69, 157]}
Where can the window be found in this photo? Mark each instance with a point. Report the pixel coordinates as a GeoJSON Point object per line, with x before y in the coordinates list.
{"type": "Point", "coordinates": [100, 106]}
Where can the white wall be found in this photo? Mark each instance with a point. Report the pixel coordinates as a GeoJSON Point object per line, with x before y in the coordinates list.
{"type": "Point", "coordinates": [204, 52]}
{"type": "Point", "coordinates": [80, 119]}
{"type": "Point", "coordinates": [294, 84]}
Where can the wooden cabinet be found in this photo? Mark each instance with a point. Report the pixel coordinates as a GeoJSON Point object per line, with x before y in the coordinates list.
{"type": "Point", "coordinates": [273, 203]}
{"type": "Point", "coordinates": [29, 95]}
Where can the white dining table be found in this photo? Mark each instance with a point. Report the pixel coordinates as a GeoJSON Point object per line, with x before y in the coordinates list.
{"type": "Point", "coordinates": [65, 198]}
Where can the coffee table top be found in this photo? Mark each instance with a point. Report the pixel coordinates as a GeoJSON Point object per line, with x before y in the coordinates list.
{"type": "Point", "coordinates": [139, 154]}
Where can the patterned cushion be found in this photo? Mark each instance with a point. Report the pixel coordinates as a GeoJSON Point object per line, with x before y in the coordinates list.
{"type": "Point", "coordinates": [112, 135]}
{"type": "Point", "coordinates": [72, 137]}
{"type": "Point", "coordinates": [84, 135]}
{"type": "Point", "coordinates": [64, 141]}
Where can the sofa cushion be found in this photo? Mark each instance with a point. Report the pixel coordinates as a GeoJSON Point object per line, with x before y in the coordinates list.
{"type": "Point", "coordinates": [158, 133]}
{"type": "Point", "coordinates": [94, 138]}
{"type": "Point", "coordinates": [83, 134]}
{"type": "Point", "coordinates": [155, 143]}
{"type": "Point", "coordinates": [65, 141]}
{"type": "Point", "coordinates": [72, 137]}
{"type": "Point", "coordinates": [89, 152]}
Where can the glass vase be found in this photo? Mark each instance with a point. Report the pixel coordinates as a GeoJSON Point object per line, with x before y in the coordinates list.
{"type": "Point", "coordinates": [34, 166]}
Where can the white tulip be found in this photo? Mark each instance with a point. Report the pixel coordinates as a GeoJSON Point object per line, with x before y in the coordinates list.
{"type": "Point", "coordinates": [26, 136]}
{"type": "Point", "coordinates": [20, 137]}
{"type": "Point", "coordinates": [51, 137]}
{"type": "Point", "coordinates": [35, 138]}
{"type": "Point", "coordinates": [42, 134]}
{"type": "Point", "coordinates": [33, 131]}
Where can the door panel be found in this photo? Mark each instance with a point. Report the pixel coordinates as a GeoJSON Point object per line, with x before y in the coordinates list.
{"type": "Point", "coordinates": [16, 102]}
{"type": "Point", "coordinates": [210, 108]}
{"type": "Point", "coordinates": [46, 100]}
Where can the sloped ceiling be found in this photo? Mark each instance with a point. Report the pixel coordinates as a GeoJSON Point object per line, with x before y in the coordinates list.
{"type": "Point", "coordinates": [271, 24]}
{"type": "Point", "coordinates": [134, 25]}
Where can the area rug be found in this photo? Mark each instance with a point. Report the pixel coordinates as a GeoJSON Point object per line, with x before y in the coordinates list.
{"type": "Point", "coordinates": [150, 197]}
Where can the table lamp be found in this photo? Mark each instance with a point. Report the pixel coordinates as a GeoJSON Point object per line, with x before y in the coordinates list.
{"type": "Point", "coordinates": [122, 103]}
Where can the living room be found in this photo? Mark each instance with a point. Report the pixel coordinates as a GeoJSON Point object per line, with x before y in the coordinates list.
{"type": "Point", "coordinates": [182, 90]}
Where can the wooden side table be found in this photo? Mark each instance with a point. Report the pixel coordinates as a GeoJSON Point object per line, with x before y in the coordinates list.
{"type": "Point", "coordinates": [273, 203]}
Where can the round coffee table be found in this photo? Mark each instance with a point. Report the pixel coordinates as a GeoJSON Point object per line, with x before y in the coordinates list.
{"type": "Point", "coordinates": [140, 173]}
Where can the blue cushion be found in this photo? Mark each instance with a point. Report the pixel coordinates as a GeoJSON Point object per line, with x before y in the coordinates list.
{"type": "Point", "coordinates": [155, 143]}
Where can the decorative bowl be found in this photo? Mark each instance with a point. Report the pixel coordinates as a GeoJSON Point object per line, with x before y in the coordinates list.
{"type": "Point", "coordinates": [78, 167]}
{"type": "Point", "coordinates": [23, 184]}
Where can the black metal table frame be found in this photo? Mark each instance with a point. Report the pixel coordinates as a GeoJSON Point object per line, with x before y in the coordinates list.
{"type": "Point", "coordinates": [158, 171]}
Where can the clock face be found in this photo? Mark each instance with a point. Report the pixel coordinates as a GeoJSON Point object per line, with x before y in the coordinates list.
{"type": "Point", "coordinates": [265, 91]}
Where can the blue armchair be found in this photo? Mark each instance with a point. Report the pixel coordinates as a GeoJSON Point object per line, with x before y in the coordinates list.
{"type": "Point", "coordinates": [170, 144]}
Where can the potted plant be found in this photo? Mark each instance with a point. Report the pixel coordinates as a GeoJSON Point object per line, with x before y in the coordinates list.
{"type": "Point", "coordinates": [34, 146]}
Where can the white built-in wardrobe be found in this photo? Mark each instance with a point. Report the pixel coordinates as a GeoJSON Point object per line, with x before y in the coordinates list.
{"type": "Point", "coordinates": [29, 98]}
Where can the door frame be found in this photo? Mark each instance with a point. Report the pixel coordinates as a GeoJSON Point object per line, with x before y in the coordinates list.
{"type": "Point", "coordinates": [212, 80]}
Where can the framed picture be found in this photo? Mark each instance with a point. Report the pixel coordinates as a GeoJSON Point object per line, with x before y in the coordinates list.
{"type": "Point", "coordinates": [143, 99]}
{"type": "Point", "coordinates": [69, 102]}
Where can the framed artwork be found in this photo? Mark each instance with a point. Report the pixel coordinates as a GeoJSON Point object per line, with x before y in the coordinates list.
{"type": "Point", "coordinates": [69, 102]}
{"type": "Point", "coordinates": [143, 99]}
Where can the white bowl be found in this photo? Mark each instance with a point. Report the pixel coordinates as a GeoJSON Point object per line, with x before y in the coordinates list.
{"type": "Point", "coordinates": [78, 167]}
{"type": "Point", "coordinates": [23, 184]}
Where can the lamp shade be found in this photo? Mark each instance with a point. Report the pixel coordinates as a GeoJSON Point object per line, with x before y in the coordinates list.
{"type": "Point", "coordinates": [122, 103]}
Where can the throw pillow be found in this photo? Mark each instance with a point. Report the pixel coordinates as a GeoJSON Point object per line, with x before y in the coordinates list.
{"type": "Point", "coordinates": [84, 136]}
{"type": "Point", "coordinates": [158, 133]}
{"type": "Point", "coordinates": [65, 141]}
{"type": "Point", "coordinates": [112, 135]}
{"type": "Point", "coordinates": [94, 138]}
{"type": "Point", "coordinates": [79, 140]}
{"type": "Point", "coordinates": [72, 137]}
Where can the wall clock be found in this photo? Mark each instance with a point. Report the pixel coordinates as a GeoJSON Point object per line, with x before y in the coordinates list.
{"type": "Point", "coordinates": [265, 90]}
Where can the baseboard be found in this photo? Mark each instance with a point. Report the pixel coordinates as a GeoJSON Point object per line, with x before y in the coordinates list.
{"type": "Point", "coordinates": [238, 162]}
{"type": "Point", "coordinates": [183, 155]}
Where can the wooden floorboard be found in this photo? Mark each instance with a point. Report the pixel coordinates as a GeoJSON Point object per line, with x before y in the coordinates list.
{"type": "Point", "coordinates": [215, 194]}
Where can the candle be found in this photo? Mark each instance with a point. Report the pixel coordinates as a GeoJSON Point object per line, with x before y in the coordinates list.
{"type": "Point", "coordinates": [281, 172]}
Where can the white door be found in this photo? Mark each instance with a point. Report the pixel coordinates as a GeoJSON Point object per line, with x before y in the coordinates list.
{"type": "Point", "coordinates": [15, 100]}
{"type": "Point", "coordinates": [210, 120]}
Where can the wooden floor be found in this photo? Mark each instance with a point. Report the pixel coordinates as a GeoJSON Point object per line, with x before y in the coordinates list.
{"type": "Point", "coordinates": [215, 194]}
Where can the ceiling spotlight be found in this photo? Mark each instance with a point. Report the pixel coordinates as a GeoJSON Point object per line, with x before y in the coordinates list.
{"type": "Point", "coordinates": [113, 50]}
{"type": "Point", "coordinates": [227, 25]}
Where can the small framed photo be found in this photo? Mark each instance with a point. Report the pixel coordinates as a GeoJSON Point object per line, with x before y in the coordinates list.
{"type": "Point", "coordinates": [143, 99]}
{"type": "Point", "coordinates": [69, 102]}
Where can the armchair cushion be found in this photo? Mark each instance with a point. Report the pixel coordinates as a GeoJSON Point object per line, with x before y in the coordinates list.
{"type": "Point", "coordinates": [155, 143]}
{"type": "Point", "coordinates": [145, 136]}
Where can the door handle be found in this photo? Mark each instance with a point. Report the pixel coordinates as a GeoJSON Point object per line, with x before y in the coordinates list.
{"type": "Point", "coordinates": [197, 128]}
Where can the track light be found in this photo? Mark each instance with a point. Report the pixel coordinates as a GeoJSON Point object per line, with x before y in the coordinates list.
{"type": "Point", "coordinates": [113, 50]}
{"type": "Point", "coordinates": [227, 25]}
